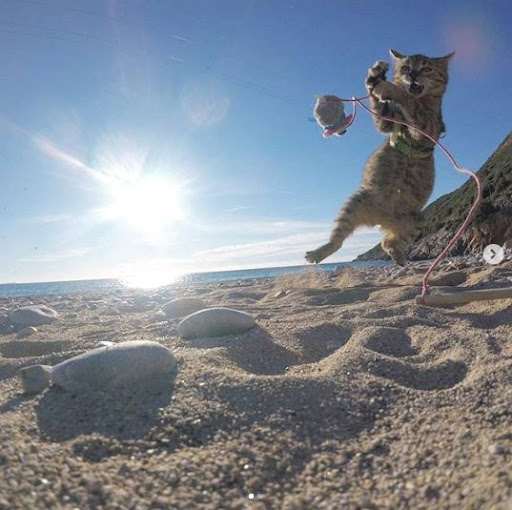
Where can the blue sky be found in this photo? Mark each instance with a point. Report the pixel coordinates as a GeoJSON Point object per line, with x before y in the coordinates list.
{"type": "Point", "coordinates": [155, 137]}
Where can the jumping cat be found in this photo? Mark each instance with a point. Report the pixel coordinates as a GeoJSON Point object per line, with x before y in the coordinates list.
{"type": "Point", "coordinates": [399, 176]}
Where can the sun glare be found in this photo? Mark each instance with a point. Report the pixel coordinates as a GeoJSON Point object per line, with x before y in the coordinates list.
{"type": "Point", "coordinates": [148, 279]}
{"type": "Point", "coordinates": [147, 202]}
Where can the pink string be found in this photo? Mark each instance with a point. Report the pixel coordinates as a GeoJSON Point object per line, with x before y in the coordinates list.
{"type": "Point", "coordinates": [425, 289]}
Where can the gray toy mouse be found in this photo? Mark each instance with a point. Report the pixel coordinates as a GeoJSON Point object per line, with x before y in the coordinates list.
{"type": "Point", "coordinates": [330, 114]}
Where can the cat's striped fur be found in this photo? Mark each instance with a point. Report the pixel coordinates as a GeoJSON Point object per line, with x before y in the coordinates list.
{"type": "Point", "coordinates": [399, 176]}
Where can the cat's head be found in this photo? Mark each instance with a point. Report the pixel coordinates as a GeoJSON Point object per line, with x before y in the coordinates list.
{"type": "Point", "coordinates": [420, 75]}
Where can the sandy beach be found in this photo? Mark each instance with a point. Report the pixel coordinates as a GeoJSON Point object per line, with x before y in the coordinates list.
{"type": "Point", "coordinates": [345, 395]}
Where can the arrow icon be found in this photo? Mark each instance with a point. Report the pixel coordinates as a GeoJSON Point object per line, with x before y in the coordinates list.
{"type": "Point", "coordinates": [494, 254]}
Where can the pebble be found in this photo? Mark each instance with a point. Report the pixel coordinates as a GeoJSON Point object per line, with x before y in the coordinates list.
{"type": "Point", "coordinates": [29, 330]}
{"type": "Point", "coordinates": [35, 378]}
{"type": "Point", "coordinates": [111, 311]}
{"type": "Point", "coordinates": [159, 316]}
{"type": "Point", "coordinates": [450, 279]}
{"type": "Point", "coordinates": [6, 328]}
{"type": "Point", "coordinates": [214, 322]}
{"type": "Point", "coordinates": [104, 343]}
{"type": "Point", "coordinates": [183, 306]}
{"type": "Point", "coordinates": [33, 315]}
{"type": "Point", "coordinates": [93, 485]}
{"type": "Point", "coordinates": [135, 308]}
{"type": "Point", "coordinates": [103, 368]}
{"type": "Point", "coordinates": [496, 449]}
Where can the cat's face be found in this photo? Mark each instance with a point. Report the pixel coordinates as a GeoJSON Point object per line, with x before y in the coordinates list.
{"type": "Point", "coordinates": [419, 75]}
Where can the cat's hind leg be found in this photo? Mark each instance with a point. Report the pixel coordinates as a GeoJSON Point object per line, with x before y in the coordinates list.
{"type": "Point", "coordinates": [398, 236]}
{"type": "Point", "coordinates": [356, 212]}
{"type": "Point", "coordinates": [394, 245]}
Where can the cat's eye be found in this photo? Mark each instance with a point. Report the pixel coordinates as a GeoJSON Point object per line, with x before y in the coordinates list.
{"type": "Point", "coordinates": [427, 69]}
{"type": "Point", "coordinates": [405, 69]}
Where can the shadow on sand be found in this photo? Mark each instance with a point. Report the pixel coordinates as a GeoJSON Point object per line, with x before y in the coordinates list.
{"type": "Point", "coordinates": [127, 412]}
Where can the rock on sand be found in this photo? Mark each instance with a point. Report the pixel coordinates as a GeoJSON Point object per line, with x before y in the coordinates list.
{"type": "Point", "coordinates": [35, 378]}
{"type": "Point", "coordinates": [107, 367]}
{"type": "Point", "coordinates": [215, 322]}
{"type": "Point", "coordinates": [32, 315]}
{"type": "Point", "coordinates": [23, 333]}
{"type": "Point", "coordinates": [182, 306]}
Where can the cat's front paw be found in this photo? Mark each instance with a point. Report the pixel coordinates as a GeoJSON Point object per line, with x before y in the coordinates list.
{"type": "Point", "coordinates": [385, 91]}
{"type": "Point", "coordinates": [376, 75]}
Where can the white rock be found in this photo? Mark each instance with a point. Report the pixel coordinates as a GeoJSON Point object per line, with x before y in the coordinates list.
{"type": "Point", "coordinates": [104, 343]}
{"type": "Point", "coordinates": [110, 311]}
{"type": "Point", "coordinates": [32, 315]}
{"type": "Point", "coordinates": [496, 449]}
{"type": "Point", "coordinates": [4, 317]}
{"type": "Point", "coordinates": [183, 306]}
{"type": "Point", "coordinates": [29, 330]}
{"type": "Point", "coordinates": [159, 316]}
{"type": "Point", "coordinates": [215, 322]}
{"type": "Point", "coordinates": [107, 367]}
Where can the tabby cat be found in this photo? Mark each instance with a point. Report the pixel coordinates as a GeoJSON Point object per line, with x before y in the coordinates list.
{"type": "Point", "coordinates": [399, 176]}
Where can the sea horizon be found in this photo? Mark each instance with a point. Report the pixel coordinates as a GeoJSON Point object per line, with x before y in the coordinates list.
{"type": "Point", "coordinates": [91, 285]}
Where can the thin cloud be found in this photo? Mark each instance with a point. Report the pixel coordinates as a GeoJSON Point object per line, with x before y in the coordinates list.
{"type": "Point", "coordinates": [51, 150]}
{"type": "Point", "coordinates": [48, 148]}
{"type": "Point", "coordinates": [291, 245]}
{"type": "Point", "coordinates": [181, 38]}
{"type": "Point", "coordinates": [288, 244]}
{"type": "Point", "coordinates": [49, 218]}
{"type": "Point", "coordinates": [237, 209]}
{"type": "Point", "coordinates": [277, 226]}
{"type": "Point", "coordinates": [55, 256]}
{"type": "Point", "coordinates": [263, 227]}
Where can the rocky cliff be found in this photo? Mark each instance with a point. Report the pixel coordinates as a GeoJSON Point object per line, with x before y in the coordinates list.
{"type": "Point", "coordinates": [492, 223]}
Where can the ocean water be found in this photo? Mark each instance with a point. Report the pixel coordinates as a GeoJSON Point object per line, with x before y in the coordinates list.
{"type": "Point", "coordinates": [10, 290]}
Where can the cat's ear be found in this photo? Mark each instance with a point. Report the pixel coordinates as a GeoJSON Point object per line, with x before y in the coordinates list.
{"type": "Point", "coordinates": [396, 55]}
{"type": "Point", "coordinates": [446, 58]}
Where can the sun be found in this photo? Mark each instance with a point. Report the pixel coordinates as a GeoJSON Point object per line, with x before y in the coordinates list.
{"type": "Point", "coordinates": [149, 203]}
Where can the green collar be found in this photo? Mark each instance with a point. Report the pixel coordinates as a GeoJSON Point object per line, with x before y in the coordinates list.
{"type": "Point", "coordinates": [398, 141]}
